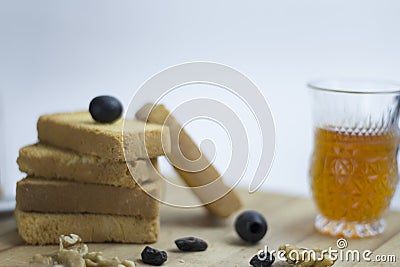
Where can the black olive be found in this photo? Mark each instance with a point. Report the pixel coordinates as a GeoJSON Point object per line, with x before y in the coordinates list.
{"type": "Point", "coordinates": [251, 226]}
{"type": "Point", "coordinates": [105, 109]}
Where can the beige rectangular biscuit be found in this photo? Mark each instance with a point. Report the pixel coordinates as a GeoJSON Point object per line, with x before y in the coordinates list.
{"type": "Point", "coordinates": [183, 144]}
{"type": "Point", "coordinates": [45, 228]}
{"type": "Point", "coordinates": [49, 196]}
{"type": "Point", "coordinates": [79, 132]}
{"type": "Point", "coordinates": [51, 162]}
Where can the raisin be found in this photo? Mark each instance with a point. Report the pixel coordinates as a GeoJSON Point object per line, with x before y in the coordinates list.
{"type": "Point", "coordinates": [153, 256]}
{"type": "Point", "coordinates": [191, 244]}
{"type": "Point", "coordinates": [262, 260]}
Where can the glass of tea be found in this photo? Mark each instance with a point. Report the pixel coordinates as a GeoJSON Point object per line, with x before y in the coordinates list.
{"type": "Point", "coordinates": [353, 170]}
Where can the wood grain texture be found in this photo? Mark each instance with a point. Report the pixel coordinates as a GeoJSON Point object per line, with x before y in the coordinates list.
{"type": "Point", "coordinates": [290, 220]}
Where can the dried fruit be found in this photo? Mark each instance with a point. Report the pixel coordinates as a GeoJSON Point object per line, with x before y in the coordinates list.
{"type": "Point", "coordinates": [251, 226]}
{"type": "Point", "coordinates": [71, 257]}
{"type": "Point", "coordinates": [41, 261]}
{"type": "Point", "coordinates": [304, 257]}
{"type": "Point", "coordinates": [73, 252]}
{"type": "Point", "coordinates": [191, 244]}
{"type": "Point", "coordinates": [262, 260]}
{"type": "Point", "coordinates": [153, 256]}
{"type": "Point", "coordinates": [70, 240]}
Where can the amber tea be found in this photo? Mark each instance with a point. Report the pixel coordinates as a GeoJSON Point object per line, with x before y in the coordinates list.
{"type": "Point", "coordinates": [353, 177]}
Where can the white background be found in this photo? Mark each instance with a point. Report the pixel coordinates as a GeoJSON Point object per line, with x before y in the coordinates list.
{"type": "Point", "coordinates": [58, 55]}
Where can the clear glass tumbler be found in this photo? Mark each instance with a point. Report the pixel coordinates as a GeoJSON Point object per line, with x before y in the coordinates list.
{"type": "Point", "coordinates": [353, 170]}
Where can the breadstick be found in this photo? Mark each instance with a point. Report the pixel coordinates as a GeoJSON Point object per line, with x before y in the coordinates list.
{"type": "Point", "coordinates": [184, 147]}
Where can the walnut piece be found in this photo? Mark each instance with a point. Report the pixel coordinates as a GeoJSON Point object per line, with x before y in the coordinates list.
{"type": "Point", "coordinates": [73, 252]}
{"type": "Point", "coordinates": [70, 258]}
{"type": "Point", "coordinates": [97, 259]}
{"type": "Point", "coordinates": [304, 257]}
{"type": "Point", "coordinates": [128, 263]}
{"type": "Point", "coordinates": [41, 261]}
{"type": "Point", "coordinates": [67, 241]}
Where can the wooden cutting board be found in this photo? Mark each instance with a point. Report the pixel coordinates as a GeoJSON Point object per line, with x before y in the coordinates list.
{"type": "Point", "coordinates": [290, 220]}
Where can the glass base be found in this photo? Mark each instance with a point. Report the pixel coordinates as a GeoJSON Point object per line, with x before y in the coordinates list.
{"type": "Point", "coordinates": [349, 229]}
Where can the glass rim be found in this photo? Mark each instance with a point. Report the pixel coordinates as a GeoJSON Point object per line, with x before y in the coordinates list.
{"type": "Point", "coordinates": [355, 86]}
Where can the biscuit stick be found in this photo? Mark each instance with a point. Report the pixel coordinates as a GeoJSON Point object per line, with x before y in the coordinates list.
{"type": "Point", "coordinates": [222, 207]}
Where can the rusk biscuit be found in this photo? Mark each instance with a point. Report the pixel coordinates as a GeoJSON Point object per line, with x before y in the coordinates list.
{"type": "Point", "coordinates": [224, 206]}
{"type": "Point", "coordinates": [51, 162]}
{"type": "Point", "coordinates": [79, 132]}
{"type": "Point", "coordinates": [45, 228]}
{"type": "Point", "coordinates": [50, 196]}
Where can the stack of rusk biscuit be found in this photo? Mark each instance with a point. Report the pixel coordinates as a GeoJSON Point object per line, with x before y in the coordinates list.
{"type": "Point", "coordinates": [79, 180]}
